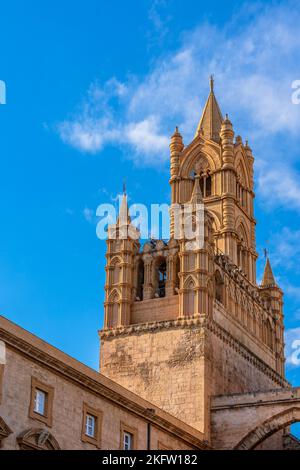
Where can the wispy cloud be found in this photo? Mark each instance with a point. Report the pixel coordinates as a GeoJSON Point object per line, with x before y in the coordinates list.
{"type": "Point", "coordinates": [246, 56]}
{"type": "Point", "coordinates": [279, 184]}
{"type": "Point", "coordinates": [159, 17]}
{"type": "Point", "coordinates": [285, 249]}
{"type": "Point", "coordinates": [89, 215]}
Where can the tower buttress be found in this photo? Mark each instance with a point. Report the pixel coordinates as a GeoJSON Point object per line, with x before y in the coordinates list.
{"type": "Point", "coordinates": [122, 245]}
{"type": "Point", "coordinates": [273, 296]}
{"type": "Point", "coordinates": [196, 255]}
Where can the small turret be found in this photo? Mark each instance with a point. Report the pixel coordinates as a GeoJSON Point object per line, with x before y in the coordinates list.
{"type": "Point", "coordinates": [176, 147]}
{"type": "Point", "coordinates": [273, 295]}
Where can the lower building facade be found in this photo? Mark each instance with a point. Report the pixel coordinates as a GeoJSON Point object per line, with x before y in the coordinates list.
{"type": "Point", "coordinates": [49, 400]}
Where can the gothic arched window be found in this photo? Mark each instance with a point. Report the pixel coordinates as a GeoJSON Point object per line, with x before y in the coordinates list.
{"type": "Point", "coordinates": [177, 272]}
{"type": "Point", "coordinates": [241, 189]}
{"type": "Point", "coordinates": [113, 311]}
{"type": "Point", "coordinates": [189, 299]}
{"type": "Point", "coordinates": [140, 280]}
{"type": "Point", "coordinates": [219, 287]}
{"type": "Point", "coordinates": [162, 277]}
{"type": "Point", "coordinates": [242, 250]}
{"type": "Point", "coordinates": [116, 276]}
{"type": "Point", "coordinates": [202, 169]}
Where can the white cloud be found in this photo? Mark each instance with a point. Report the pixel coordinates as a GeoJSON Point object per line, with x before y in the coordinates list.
{"type": "Point", "coordinates": [279, 185]}
{"type": "Point", "coordinates": [292, 347]}
{"type": "Point", "coordinates": [145, 138]}
{"type": "Point", "coordinates": [255, 59]}
{"type": "Point", "coordinates": [285, 252]}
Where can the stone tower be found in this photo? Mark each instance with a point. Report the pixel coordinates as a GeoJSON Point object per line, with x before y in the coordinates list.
{"type": "Point", "coordinates": [184, 322]}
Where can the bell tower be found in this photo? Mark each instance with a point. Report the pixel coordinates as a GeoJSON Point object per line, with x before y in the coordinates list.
{"type": "Point", "coordinates": [185, 319]}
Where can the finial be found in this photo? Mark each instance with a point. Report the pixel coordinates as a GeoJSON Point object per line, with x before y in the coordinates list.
{"type": "Point", "coordinates": [265, 253]}
{"type": "Point", "coordinates": [124, 187]}
{"type": "Point", "coordinates": [211, 83]}
{"type": "Point", "coordinates": [176, 132]}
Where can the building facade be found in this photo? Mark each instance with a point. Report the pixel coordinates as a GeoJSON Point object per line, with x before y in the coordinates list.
{"type": "Point", "coordinates": [192, 349]}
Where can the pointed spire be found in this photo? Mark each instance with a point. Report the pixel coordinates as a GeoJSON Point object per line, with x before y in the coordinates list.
{"type": "Point", "coordinates": [197, 197]}
{"type": "Point", "coordinates": [211, 119]}
{"type": "Point", "coordinates": [268, 277]}
{"type": "Point", "coordinates": [124, 217]}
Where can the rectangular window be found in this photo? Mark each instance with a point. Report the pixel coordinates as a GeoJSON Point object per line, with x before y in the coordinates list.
{"type": "Point", "coordinates": [40, 402]}
{"type": "Point", "coordinates": [127, 441]}
{"type": "Point", "coordinates": [90, 425]}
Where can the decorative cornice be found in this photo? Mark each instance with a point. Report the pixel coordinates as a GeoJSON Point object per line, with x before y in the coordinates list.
{"type": "Point", "coordinates": [200, 321]}
{"type": "Point", "coordinates": [183, 322]}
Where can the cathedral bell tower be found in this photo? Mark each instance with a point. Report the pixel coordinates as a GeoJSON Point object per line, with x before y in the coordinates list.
{"type": "Point", "coordinates": [185, 319]}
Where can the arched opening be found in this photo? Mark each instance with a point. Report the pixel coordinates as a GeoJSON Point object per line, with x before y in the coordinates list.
{"type": "Point", "coordinates": [219, 287]}
{"type": "Point", "coordinates": [242, 250]}
{"type": "Point", "coordinates": [113, 311]}
{"type": "Point", "coordinates": [241, 191]}
{"type": "Point", "coordinates": [189, 299]}
{"type": "Point", "coordinates": [116, 276]}
{"type": "Point", "coordinates": [202, 170]}
{"type": "Point", "coordinates": [205, 184]}
{"type": "Point", "coordinates": [140, 280]}
{"type": "Point", "coordinates": [269, 427]}
{"type": "Point", "coordinates": [160, 277]}
{"type": "Point", "coordinates": [177, 273]}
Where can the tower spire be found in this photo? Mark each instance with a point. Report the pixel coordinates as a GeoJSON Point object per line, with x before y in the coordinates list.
{"type": "Point", "coordinates": [124, 217]}
{"type": "Point", "coordinates": [211, 119]}
{"type": "Point", "coordinates": [268, 277]}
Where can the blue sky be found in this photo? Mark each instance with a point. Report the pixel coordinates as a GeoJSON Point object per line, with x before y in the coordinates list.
{"type": "Point", "coordinates": [94, 90]}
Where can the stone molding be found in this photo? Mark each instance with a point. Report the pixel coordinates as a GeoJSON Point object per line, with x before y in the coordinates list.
{"type": "Point", "coordinates": [200, 321]}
